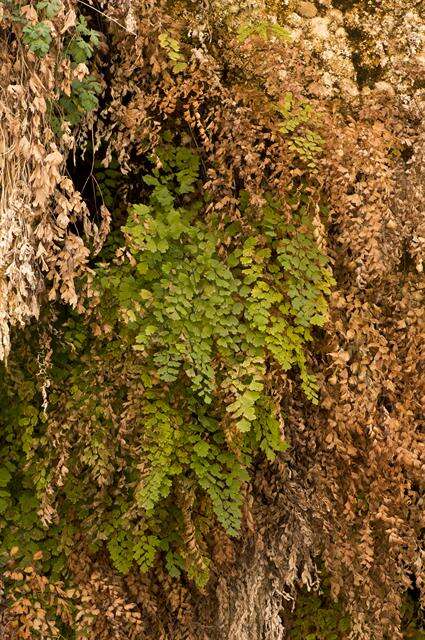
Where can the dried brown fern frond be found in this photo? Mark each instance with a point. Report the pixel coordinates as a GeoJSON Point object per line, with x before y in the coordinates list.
{"type": "Point", "coordinates": [40, 209]}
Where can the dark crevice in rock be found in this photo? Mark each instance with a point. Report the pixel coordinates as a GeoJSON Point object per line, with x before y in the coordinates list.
{"type": "Point", "coordinates": [366, 76]}
{"type": "Point", "coordinates": [347, 5]}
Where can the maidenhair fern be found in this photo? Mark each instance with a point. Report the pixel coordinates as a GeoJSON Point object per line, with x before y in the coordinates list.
{"type": "Point", "coordinates": [206, 328]}
{"type": "Point", "coordinates": [177, 400]}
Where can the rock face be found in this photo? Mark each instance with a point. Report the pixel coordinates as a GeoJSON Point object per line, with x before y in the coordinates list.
{"type": "Point", "coordinates": [320, 28]}
{"type": "Point", "coordinates": [307, 9]}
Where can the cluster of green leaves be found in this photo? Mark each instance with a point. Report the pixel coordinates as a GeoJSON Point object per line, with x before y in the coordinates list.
{"type": "Point", "coordinates": [84, 92]}
{"type": "Point", "coordinates": [20, 525]}
{"type": "Point", "coordinates": [172, 47]}
{"type": "Point", "coordinates": [187, 307]}
{"type": "Point", "coordinates": [79, 48]}
{"type": "Point", "coordinates": [296, 118]}
{"type": "Point", "coordinates": [177, 445]}
{"type": "Point", "coordinates": [265, 30]}
{"type": "Point", "coordinates": [38, 37]}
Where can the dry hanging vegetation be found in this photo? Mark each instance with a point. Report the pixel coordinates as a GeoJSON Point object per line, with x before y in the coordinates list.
{"type": "Point", "coordinates": [40, 206]}
{"type": "Point", "coordinates": [212, 235]}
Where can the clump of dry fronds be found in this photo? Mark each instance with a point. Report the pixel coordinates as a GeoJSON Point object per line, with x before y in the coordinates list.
{"type": "Point", "coordinates": [40, 210]}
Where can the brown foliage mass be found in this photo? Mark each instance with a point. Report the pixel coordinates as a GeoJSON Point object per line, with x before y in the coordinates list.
{"type": "Point", "coordinates": [39, 205]}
